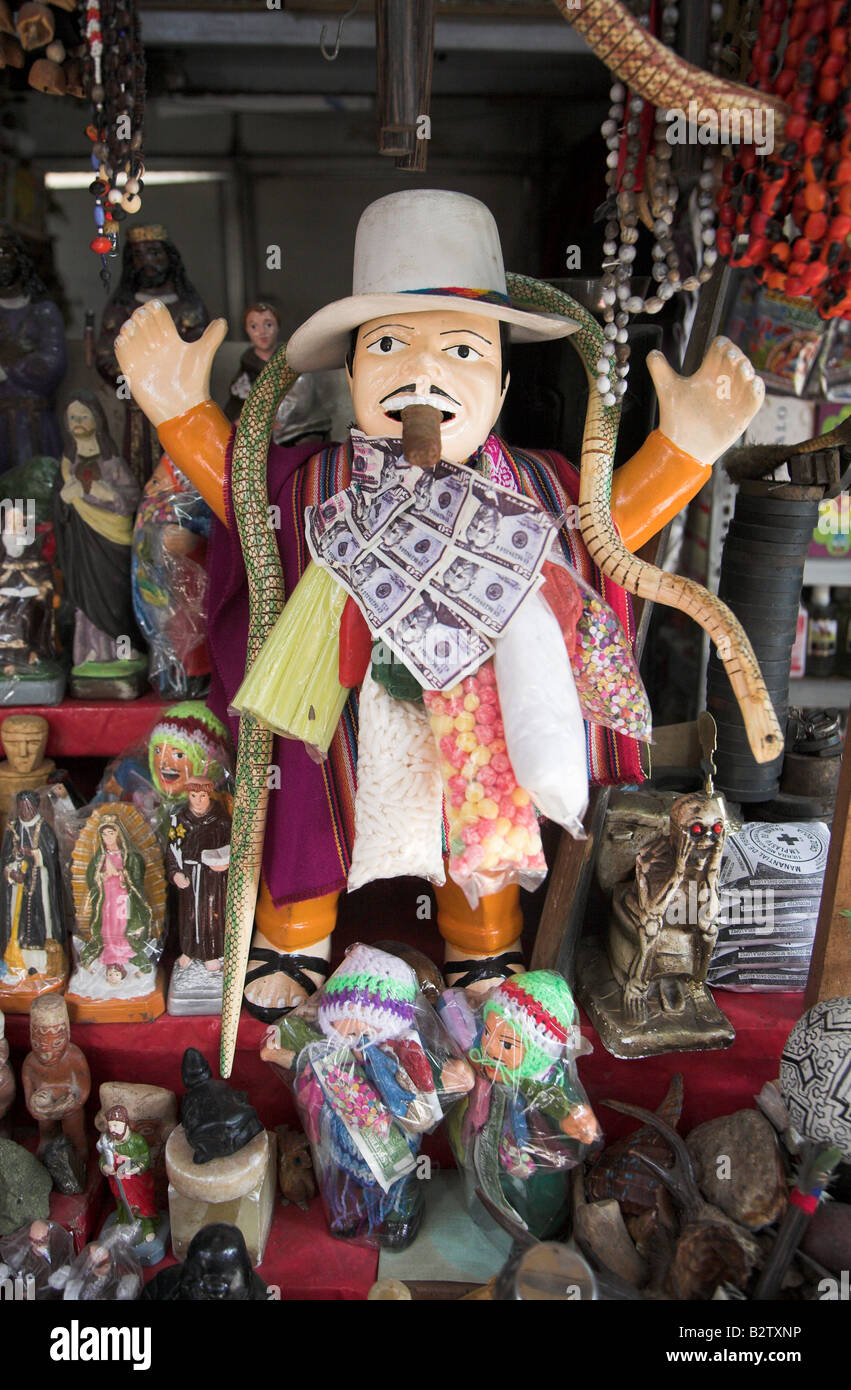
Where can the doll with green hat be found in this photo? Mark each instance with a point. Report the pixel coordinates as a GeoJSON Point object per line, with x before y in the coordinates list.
{"type": "Point", "coordinates": [186, 741]}
{"type": "Point", "coordinates": [527, 1121]}
{"type": "Point", "coordinates": [371, 1075]}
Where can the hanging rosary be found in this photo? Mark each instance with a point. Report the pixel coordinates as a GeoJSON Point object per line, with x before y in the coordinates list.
{"type": "Point", "coordinates": [114, 77]}
{"type": "Point", "coordinates": [631, 166]}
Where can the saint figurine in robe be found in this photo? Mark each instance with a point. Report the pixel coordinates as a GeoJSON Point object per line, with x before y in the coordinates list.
{"type": "Point", "coordinates": [198, 858]}
{"type": "Point", "coordinates": [32, 926]}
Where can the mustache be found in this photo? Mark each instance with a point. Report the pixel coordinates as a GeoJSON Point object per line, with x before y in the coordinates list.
{"type": "Point", "coordinates": [411, 390]}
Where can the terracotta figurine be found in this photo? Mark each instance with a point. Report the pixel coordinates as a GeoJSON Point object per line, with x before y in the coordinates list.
{"type": "Point", "coordinates": [33, 938]}
{"type": "Point", "coordinates": [55, 1076]}
{"type": "Point", "coordinates": [94, 506]}
{"type": "Point", "coordinates": [152, 269]}
{"type": "Point", "coordinates": [33, 358]}
{"type": "Point", "coordinates": [428, 322]}
{"type": "Point", "coordinates": [24, 739]}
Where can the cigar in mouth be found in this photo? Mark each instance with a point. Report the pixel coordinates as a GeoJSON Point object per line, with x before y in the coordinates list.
{"type": "Point", "coordinates": [421, 434]}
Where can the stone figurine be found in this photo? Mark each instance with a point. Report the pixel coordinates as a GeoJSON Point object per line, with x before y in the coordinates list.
{"type": "Point", "coordinates": [94, 505]}
{"type": "Point", "coordinates": [125, 1161]}
{"type": "Point", "coordinates": [24, 740]}
{"type": "Point", "coordinates": [429, 319]}
{"type": "Point", "coordinates": [649, 995]}
{"type": "Point", "coordinates": [216, 1268]}
{"type": "Point", "coordinates": [33, 358]}
{"type": "Point", "coordinates": [33, 937]}
{"type": "Point", "coordinates": [55, 1077]}
{"type": "Point", "coordinates": [217, 1120]}
{"type": "Point", "coordinates": [198, 858]}
{"type": "Point", "coordinates": [152, 269]}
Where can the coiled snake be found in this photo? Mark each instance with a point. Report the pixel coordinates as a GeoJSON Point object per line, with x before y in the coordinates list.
{"type": "Point", "coordinates": [266, 598]}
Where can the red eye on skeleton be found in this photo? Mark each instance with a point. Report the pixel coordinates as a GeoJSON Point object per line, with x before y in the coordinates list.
{"type": "Point", "coordinates": [697, 829]}
{"type": "Point", "coordinates": [717, 828]}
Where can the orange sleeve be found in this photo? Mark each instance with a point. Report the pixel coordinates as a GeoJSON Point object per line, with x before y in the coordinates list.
{"type": "Point", "coordinates": [197, 441]}
{"type": "Point", "coordinates": [652, 487]}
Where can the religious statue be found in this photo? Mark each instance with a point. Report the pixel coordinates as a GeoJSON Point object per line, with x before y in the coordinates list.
{"type": "Point", "coordinates": [32, 1254]}
{"type": "Point", "coordinates": [24, 739]}
{"type": "Point", "coordinates": [94, 506]}
{"type": "Point", "coordinates": [55, 1077]}
{"type": "Point", "coordinates": [106, 1270]}
{"type": "Point", "coordinates": [152, 269]}
{"type": "Point", "coordinates": [169, 581]}
{"type": "Point", "coordinates": [217, 1120]}
{"type": "Point", "coordinates": [647, 993]}
{"type": "Point", "coordinates": [33, 358]}
{"type": "Point", "coordinates": [198, 858]}
{"type": "Point", "coordinates": [125, 1161]}
{"type": "Point", "coordinates": [427, 326]}
{"type": "Point", "coordinates": [527, 1121]}
{"type": "Point", "coordinates": [216, 1268]}
{"type": "Point", "coordinates": [302, 416]}
{"type": "Point", "coordinates": [33, 939]}
{"type": "Point", "coordinates": [7, 1081]}
{"type": "Point", "coordinates": [119, 900]}
{"type": "Point", "coordinates": [187, 741]}
{"type": "Point", "coordinates": [369, 1081]}
{"type": "Point", "coordinates": [30, 673]}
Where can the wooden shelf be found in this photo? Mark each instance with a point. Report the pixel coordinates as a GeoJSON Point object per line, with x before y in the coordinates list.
{"type": "Point", "coordinates": [94, 728]}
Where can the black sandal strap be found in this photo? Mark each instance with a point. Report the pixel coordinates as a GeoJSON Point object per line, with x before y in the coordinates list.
{"type": "Point", "coordinates": [293, 966]}
{"type": "Point", "coordinates": [484, 969]}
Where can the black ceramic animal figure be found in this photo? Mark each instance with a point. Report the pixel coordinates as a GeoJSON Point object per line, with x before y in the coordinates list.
{"type": "Point", "coordinates": [217, 1119]}
{"type": "Point", "coordinates": [216, 1267]}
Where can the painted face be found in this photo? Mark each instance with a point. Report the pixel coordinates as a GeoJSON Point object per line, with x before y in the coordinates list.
{"type": "Point", "coordinates": [117, 1128]}
{"type": "Point", "coordinates": [199, 801]}
{"type": "Point", "coordinates": [24, 749]}
{"type": "Point", "coordinates": [353, 1027]}
{"type": "Point", "coordinates": [172, 768]}
{"type": "Point", "coordinates": [80, 420]}
{"type": "Point", "coordinates": [448, 359]}
{"type": "Point", "coordinates": [150, 264]}
{"type": "Point", "coordinates": [49, 1043]}
{"type": "Point", "coordinates": [109, 837]}
{"type": "Point", "coordinates": [502, 1042]}
{"type": "Point", "coordinates": [262, 330]}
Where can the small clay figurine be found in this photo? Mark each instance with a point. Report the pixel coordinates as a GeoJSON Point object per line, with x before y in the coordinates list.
{"type": "Point", "coordinates": [94, 505]}
{"type": "Point", "coordinates": [187, 741]}
{"type": "Point", "coordinates": [367, 1088]}
{"type": "Point", "coordinates": [303, 416]}
{"type": "Point", "coordinates": [295, 1167]}
{"type": "Point", "coordinates": [33, 357]}
{"type": "Point", "coordinates": [216, 1267]}
{"type": "Point", "coordinates": [119, 900]}
{"type": "Point", "coordinates": [7, 1081]}
{"type": "Point", "coordinates": [55, 1077]}
{"type": "Point", "coordinates": [152, 1113]}
{"type": "Point", "coordinates": [653, 997]}
{"type": "Point", "coordinates": [33, 953]}
{"type": "Point", "coordinates": [32, 1254]}
{"type": "Point", "coordinates": [169, 581]}
{"type": "Point", "coordinates": [527, 1122]}
{"type": "Point", "coordinates": [107, 1270]}
{"type": "Point", "coordinates": [198, 858]}
{"type": "Point", "coordinates": [24, 739]}
{"type": "Point", "coordinates": [217, 1120]}
{"type": "Point", "coordinates": [125, 1161]}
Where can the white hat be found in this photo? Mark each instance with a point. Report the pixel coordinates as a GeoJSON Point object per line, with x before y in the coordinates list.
{"type": "Point", "coordinates": [419, 250]}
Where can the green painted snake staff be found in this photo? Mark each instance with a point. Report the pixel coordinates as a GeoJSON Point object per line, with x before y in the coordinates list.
{"type": "Point", "coordinates": [266, 600]}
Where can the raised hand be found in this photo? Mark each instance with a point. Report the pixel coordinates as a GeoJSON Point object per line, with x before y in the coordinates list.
{"type": "Point", "coordinates": [166, 376]}
{"type": "Point", "coordinates": [704, 414]}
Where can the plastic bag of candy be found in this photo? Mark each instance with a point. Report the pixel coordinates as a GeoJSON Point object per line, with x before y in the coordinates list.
{"type": "Point", "coordinates": [494, 839]}
{"type": "Point", "coordinates": [610, 690]}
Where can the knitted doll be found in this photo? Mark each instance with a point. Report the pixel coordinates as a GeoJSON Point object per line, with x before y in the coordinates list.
{"type": "Point", "coordinates": [187, 741]}
{"type": "Point", "coordinates": [527, 1121]}
{"type": "Point", "coordinates": [369, 1081]}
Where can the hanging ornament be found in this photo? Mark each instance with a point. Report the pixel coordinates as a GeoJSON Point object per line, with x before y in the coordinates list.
{"type": "Point", "coordinates": [115, 84]}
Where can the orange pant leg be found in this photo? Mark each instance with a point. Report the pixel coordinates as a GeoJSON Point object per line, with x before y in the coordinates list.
{"type": "Point", "coordinates": [488, 929]}
{"type": "Point", "coordinates": [295, 927]}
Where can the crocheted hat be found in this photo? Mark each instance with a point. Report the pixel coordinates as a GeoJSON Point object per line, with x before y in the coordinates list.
{"type": "Point", "coordinates": [373, 986]}
{"type": "Point", "coordinates": [540, 1006]}
{"type": "Point", "coordinates": [196, 731]}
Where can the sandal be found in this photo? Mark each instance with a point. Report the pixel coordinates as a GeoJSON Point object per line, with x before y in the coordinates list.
{"type": "Point", "coordinates": [293, 966]}
{"type": "Point", "coordinates": [484, 969]}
